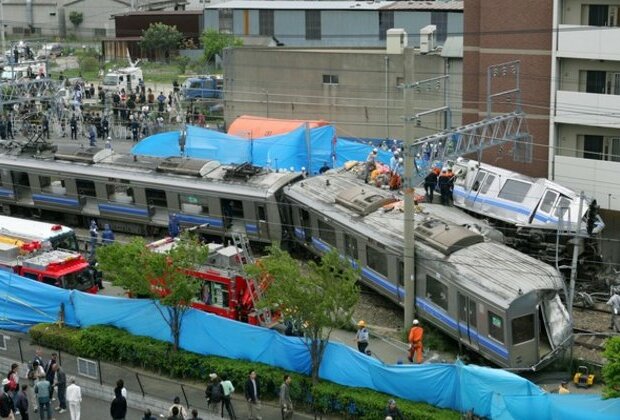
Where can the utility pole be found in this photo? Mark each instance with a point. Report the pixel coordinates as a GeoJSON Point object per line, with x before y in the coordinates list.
{"type": "Point", "coordinates": [576, 248]}
{"type": "Point", "coordinates": [2, 28]}
{"type": "Point", "coordinates": [409, 184]}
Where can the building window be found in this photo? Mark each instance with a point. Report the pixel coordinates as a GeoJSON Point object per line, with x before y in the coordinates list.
{"type": "Point", "coordinates": [327, 233]}
{"type": "Point", "coordinates": [100, 32]}
{"type": "Point", "coordinates": [386, 21]}
{"type": "Point", "coordinates": [496, 327]}
{"type": "Point", "coordinates": [226, 21]}
{"type": "Point", "coordinates": [265, 22]}
{"type": "Point", "coordinates": [330, 79]}
{"type": "Point", "coordinates": [18, 30]}
{"type": "Point", "coordinates": [523, 329]}
{"type": "Point", "coordinates": [598, 15]}
{"type": "Point", "coordinates": [437, 292]}
{"type": "Point", "coordinates": [440, 20]}
{"type": "Point", "coordinates": [313, 24]}
{"type": "Point", "coordinates": [376, 260]}
{"type": "Point", "coordinates": [514, 190]}
{"type": "Point", "coordinates": [593, 147]}
{"type": "Point", "coordinates": [595, 81]}
{"type": "Point", "coordinates": [350, 246]}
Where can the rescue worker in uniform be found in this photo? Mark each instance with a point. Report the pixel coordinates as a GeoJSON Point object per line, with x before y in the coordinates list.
{"type": "Point", "coordinates": [415, 342]}
{"type": "Point", "coordinates": [361, 338]}
{"type": "Point", "coordinates": [430, 183]}
{"type": "Point", "coordinates": [73, 125]}
{"type": "Point", "coordinates": [614, 302]}
{"type": "Point", "coordinates": [370, 164]}
{"type": "Point", "coordinates": [444, 187]}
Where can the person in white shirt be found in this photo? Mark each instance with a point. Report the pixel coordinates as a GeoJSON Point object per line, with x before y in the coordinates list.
{"type": "Point", "coordinates": [74, 398]}
{"type": "Point", "coordinates": [182, 410]}
{"type": "Point", "coordinates": [614, 302]}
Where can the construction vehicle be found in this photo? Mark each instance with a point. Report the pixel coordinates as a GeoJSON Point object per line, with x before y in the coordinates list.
{"type": "Point", "coordinates": [225, 290]}
{"type": "Point", "coordinates": [33, 260]}
{"type": "Point", "coordinates": [583, 378]}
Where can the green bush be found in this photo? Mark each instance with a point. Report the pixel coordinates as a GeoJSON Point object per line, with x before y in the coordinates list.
{"type": "Point", "coordinates": [114, 345]}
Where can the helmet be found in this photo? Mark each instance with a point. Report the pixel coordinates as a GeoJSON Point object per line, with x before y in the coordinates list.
{"type": "Point", "coordinates": [400, 160]}
{"type": "Point", "coordinates": [375, 150]}
{"type": "Point", "coordinates": [416, 322]}
{"type": "Point", "coordinates": [361, 323]}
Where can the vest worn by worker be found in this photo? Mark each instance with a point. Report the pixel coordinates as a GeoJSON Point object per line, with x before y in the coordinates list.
{"type": "Point", "coordinates": [416, 334]}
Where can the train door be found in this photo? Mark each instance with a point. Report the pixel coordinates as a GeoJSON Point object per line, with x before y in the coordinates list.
{"type": "Point", "coordinates": [468, 323]}
{"type": "Point", "coordinates": [261, 217]}
{"type": "Point", "coordinates": [543, 212]}
{"type": "Point", "coordinates": [306, 224]}
{"type": "Point", "coordinates": [472, 194]}
{"type": "Point", "coordinates": [21, 185]}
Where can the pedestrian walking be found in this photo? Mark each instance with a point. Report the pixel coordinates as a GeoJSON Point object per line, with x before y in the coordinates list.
{"type": "Point", "coordinates": [286, 404]}
{"type": "Point", "coordinates": [415, 342]}
{"type": "Point", "coordinates": [228, 389]}
{"type": "Point", "coordinates": [213, 393]}
{"type": "Point", "coordinates": [73, 125]}
{"type": "Point", "coordinates": [50, 372]}
{"type": "Point", "coordinates": [21, 403]}
{"type": "Point", "coordinates": [118, 408]}
{"type": "Point", "coordinates": [35, 374]}
{"type": "Point", "coordinates": [60, 382]}
{"type": "Point", "coordinates": [148, 415]}
{"type": "Point", "coordinates": [6, 402]}
{"type": "Point", "coordinates": [195, 415]}
{"type": "Point", "coordinates": [362, 336]}
{"type": "Point", "coordinates": [43, 392]}
{"type": "Point", "coordinates": [252, 396]}
{"type": "Point", "coordinates": [74, 398]}
{"type": "Point", "coordinates": [13, 377]}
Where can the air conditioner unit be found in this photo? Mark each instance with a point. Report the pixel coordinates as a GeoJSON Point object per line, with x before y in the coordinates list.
{"type": "Point", "coordinates": [427, 38]}
{"type": "Point", "coordinates": [396, 41]}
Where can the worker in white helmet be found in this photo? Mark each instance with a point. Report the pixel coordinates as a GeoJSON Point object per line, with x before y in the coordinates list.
{"type": "Point", "coordinates": [361, 337]}
{"type": "Point", "coordinates": [415, 342]}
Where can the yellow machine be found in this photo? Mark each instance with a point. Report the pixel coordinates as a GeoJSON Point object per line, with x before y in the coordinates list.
{"type": "Point", "coordinates": [583, 378]}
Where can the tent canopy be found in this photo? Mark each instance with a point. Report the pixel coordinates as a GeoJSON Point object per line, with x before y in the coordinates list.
{"type": "Point", "coordinates": [252, 127]}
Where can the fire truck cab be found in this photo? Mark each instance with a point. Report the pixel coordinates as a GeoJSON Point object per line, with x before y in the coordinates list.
{"type": "Point", "coordinates": [224, 291]}
{"type": "Point", "coordinates": [65, 269]}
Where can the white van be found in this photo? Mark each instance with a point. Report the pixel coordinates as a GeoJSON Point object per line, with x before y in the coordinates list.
{"type": "Point", "coordinates": [127, 78]}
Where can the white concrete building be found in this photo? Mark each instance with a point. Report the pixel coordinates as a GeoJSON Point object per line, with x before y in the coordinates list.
{"type": "Point", "coordinates": [584, 138]}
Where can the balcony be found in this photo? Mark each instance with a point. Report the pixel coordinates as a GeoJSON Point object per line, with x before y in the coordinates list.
{"type": "Point", "coordinates": [589, 42]}
{"type": "Point", "coordinates": [590, 176]}
{"type": "Point", "coordinates": [591, 109]}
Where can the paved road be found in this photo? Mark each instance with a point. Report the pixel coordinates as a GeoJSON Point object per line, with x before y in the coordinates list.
{"type": "Point", "coordinates": [92, 409]}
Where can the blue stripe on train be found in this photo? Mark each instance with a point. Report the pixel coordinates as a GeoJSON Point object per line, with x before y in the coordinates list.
{"type": "Point", "coordinates": [200, 220]}
{"type": "Point", "coordinates": [133, 211]}
{"type": "Point", "coordinates": [5, 192]}
{"type": "Point", "coordinates": [53, 199]}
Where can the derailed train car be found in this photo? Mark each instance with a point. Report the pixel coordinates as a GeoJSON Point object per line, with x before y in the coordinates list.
{"type": "Point", "coordinates": [139, 194]}
{"type": "Point", "coordinates": [537, 216]}
{"type": "Point", "coordinates": [493, 299]}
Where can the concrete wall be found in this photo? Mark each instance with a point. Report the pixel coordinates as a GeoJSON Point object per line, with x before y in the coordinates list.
{"type": "Point", "coordinates": [288, 83]}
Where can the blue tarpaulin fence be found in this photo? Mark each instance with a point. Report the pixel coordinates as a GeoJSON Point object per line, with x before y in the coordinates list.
{"type": "Point", "coordinates": [489, 392]}
{"type": "Point", "coordinates": [300, 148]}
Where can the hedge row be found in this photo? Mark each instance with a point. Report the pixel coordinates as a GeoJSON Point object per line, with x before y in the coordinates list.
{"type": "Point", "coordinates": [114, 345]}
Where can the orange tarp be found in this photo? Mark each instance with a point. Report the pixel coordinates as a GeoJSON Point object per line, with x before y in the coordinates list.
{"type": "Point", "coordinates": [251, 127]}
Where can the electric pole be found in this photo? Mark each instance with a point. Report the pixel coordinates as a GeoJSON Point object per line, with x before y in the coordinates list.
{"type": "Point", "coordinates": [409, 217]}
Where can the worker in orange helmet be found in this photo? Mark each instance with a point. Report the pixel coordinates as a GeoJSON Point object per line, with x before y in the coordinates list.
{"type": "Point", "coordinates": [415, 342]}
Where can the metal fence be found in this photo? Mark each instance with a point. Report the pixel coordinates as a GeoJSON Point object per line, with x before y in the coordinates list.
{"type": "Point", "coordinates": [20, 348]}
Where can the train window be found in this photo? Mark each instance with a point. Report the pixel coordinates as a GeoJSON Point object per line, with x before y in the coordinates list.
{"type": "Point", "coordinates": [52, 184]}
{"type": "Point", "coordinates": [496, 327]}
{"type": "Point", "coordinates": [232, 208]}
{"type": "Point", "coordinates": [523, 329]}
{"type": "Point", "coordinates": [120, 193]}
{"type": "Point", "coordinates": [192, 204]}
{"type": "Point", "coordinates": [156, 198]}
{"type": "Point", "coordinates": [548, 200]}
{"type": "Point", "coordinates": [487, 184]}
{"type": "Point", "coordinates": [562, 207]}
{"type": "Point", "coordinates": [327, 233]}
{"type": "Point", "coordinates": [350, 246]}
{"type": "Point", "coordinates": [401, 273]}
{"type": "Point", "coordinates": [437, 292]}
{"type": "Point", "coordinates": [261, 213]}
{"type": "Point", "coordinates": [86, 188]}
{"type": "Point", "coordinates": [376, 260]}
{"type": "Point", "coordinates": [514, 190]}
{"type": "Point", "coordinates": [478, 180]}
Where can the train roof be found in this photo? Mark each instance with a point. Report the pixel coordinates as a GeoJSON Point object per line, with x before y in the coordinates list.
{"type": "Point", "coordinates": [493, 270]}
{"type": "Point", "coordinates": [177, 172]}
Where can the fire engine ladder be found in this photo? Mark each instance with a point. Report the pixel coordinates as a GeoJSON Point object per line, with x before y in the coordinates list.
{"type": "Point", "coordinates": [471, 138]}
{"type": "Point", "coordinates": [242, 243]}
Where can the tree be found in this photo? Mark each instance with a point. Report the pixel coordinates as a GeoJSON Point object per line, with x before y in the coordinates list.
{"type": "Point", "coordinates": [159, 276]}
{"type": "Point", "coordinates": [214, 43]}
{"type": "Point", "coordinates": [319, 297]}
{"type": "Point", "coordinates": [611, 370]}
{"type": "Point", "coordinates": [161, 38]}
{"type": "Point", "coordinates": [76, 18]}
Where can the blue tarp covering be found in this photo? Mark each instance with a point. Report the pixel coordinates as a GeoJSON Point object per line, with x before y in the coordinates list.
{"type": "Point", "coordinates": [489, 392]}
{"type": "Point", "coordinates": [280, 151]}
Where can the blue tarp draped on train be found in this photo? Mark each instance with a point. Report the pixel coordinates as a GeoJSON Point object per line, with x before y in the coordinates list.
{"type": "Point", "coordinates": [489, 392]}
{"type": "Point", "coordinates": [298, 149]}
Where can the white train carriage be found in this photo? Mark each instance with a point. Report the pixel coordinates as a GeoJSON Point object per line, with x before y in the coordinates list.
{"type": "Point", "coordinates": [139, 194]}
{"type": "Point", "coordinates": [493, 299]}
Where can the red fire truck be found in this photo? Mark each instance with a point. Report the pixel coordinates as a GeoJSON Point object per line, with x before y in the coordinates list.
{"type": "Point", "coordinates": [66, 269]}
{"type": "Point", "coordinates": [224, 291]}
